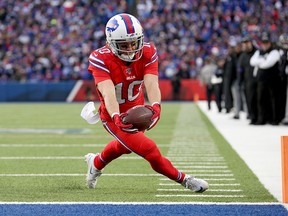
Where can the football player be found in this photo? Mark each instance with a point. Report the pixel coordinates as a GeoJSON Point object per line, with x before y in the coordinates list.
{"type": "Point", "coordinates": [121, 69]}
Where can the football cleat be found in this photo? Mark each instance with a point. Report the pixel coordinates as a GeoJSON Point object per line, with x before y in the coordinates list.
{"type": "Point", "coordinates": [194, 184]}
{"type": "Point", "coordinates": [92, 173]}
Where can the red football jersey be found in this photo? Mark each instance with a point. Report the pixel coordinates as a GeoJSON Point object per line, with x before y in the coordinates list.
{"type": "Point", "coordinates": [126, 76]}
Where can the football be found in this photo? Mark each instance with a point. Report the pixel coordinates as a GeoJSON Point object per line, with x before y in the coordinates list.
{"type": "Point", "coordinates": [139, 117]}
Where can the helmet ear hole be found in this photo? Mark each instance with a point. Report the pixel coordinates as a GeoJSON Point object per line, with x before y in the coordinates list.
{"type": "Point", "coordinates": [125, 28]}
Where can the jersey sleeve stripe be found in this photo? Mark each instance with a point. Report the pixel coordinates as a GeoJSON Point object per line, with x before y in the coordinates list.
{"type": "Point", "coordinates": [154, 55]}
{"type": "Point", "coordinates": [92, 57]}
{"type": "Point", "coordinates": [98, 66]}
{"type": "Point", "coordinates": [153, 59]}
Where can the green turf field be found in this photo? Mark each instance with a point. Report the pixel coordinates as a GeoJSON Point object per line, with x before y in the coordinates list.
{"type": "Point", "coordinates": [42, 148]}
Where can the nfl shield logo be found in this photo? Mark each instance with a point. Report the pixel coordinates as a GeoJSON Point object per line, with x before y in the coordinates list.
{"type": "Point", "coordinates": [128, 71]}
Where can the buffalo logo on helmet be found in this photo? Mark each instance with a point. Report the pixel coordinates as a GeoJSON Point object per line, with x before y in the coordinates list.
{"type": "Point", "coordinates": [112, 25]}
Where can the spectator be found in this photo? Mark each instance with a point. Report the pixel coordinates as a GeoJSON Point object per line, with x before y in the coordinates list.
{"type": "Point", "coordinates": [217, 82]}
{"type": "Point", "coordinates": [265, 61]}
{"type": "Point", "coordinates": [229, 75]}
{"type": "Point", "coordinates": [283, 44]}
{"type": "Point", "coordinates": [65, 31]}
{"type": "Point", "coordinates": [249, 79]}
{"type": "Point", "coordinates": [206, 74]}
{"type": "Point", "coordinates": [176, 86]}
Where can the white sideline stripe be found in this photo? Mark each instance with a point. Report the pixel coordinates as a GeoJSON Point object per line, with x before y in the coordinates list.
{"type": "Point", "coordinates": [74, 91]}
{"type": "Point", "coordinates": [75, 174]}
{"type": "Point", "coordinates": [214, 190]}
{"type": "Point", "coordinates": [191, 195]}
{"type": "Point", "coordinates": [141, 203]}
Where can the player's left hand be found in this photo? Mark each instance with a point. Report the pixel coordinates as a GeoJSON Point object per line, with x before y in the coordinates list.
{"type": "Point", "coordinates": [117, 118]}
{"type": "Point", "coordinates": [156, 109]}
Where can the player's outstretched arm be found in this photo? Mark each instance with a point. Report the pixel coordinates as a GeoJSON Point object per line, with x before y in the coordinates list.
{"type": "Point", "coordinates": [107, 90]}
{"type": "Point", "coordinates": [154, 97]}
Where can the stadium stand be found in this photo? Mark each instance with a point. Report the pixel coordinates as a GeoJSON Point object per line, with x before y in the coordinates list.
{"type": "Point", "coordinates": [49, 41]}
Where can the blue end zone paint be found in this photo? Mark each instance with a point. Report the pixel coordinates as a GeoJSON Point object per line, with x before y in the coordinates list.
{"type": "Point", "coordinates": [139, 209]}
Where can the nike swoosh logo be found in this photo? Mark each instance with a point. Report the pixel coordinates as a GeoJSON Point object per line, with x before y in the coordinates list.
{"type": "Point", "coordinates": [90, 171]}
{"type": "Point", "coordinates": [200, 190]}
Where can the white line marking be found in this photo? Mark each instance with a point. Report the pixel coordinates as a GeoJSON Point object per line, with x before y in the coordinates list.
{"type": "Point", "coordinates": [220, 175]}
{"type": "Point", "coordinates": [214, 185]}
{"type": "Point", "coordinates": [192, 195]}
{"type": "Point", "coordinates": [50, 145]}
{"type": "Point", "coordinates": [76, 174]}
{"type": "Point", "coordinates": [61, 145]}
{"type": "Point", "coordinates": [214, 190]}
{"type": "Point", "coordinates": [205, 171]}
{"type": "Point", "coordinates": [74, 91]}
{"type": "Point", "coordinates": [62, 158]}
{"type": "Point", "coordinates": [203, 167]}
{"type": "Point", "coordinates": [140, 203]}
{"type": "Point", "coordinates": [221, 179]}
{"type": "Point", "coordinates": [197, 162]}
{"type": "Point", "coordinates": [236, 184]}
{"type": "Point", "coordinates": [43, 130]}
{"type": "Point", "coordinates": [210, 179]}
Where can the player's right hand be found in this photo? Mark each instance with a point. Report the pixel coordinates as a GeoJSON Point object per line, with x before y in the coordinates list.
{"type": "Point", "coordinates": [156, 109]}
{"type": "Point", "coordinates": [117, 119]}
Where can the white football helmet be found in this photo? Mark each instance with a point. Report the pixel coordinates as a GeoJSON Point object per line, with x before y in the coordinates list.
{"type": "Point", "coordinates": [125, 28]}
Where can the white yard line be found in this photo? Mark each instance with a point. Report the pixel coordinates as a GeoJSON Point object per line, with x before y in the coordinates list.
{"type": "Point", "coordinates": [200, 195]}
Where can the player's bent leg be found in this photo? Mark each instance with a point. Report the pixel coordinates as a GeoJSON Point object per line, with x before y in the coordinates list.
{"type": "Point", "coordinates": [162, 165]}
{"type": "Point", "coordinates": [92, 173]}
{"type": "Point", "coordinates": [111, 151]}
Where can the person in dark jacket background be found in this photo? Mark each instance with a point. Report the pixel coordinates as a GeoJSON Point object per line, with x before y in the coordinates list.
{"type": "Point", "coordinates": [283, 67]}
{"type": "Point", "coordinates": [266, 60]}
{"type": "Point", "coordinates": [249, 80]}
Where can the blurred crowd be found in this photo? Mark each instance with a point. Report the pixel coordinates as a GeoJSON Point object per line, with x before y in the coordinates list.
{"type": "Point", "coordinates": [50, 40]}
{"type": "Point", "coordinates": [251, 78]}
